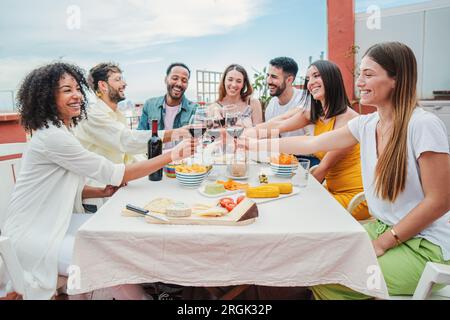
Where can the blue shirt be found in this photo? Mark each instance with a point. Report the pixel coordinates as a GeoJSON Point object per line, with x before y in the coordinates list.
{"type": "Point", "coordinates": [154, 109]}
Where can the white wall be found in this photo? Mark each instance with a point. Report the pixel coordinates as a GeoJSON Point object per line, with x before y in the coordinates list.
{"type": "Point", "coordinates": [6, 101]}
{"type": "Point", "coordinates": [425, 28]}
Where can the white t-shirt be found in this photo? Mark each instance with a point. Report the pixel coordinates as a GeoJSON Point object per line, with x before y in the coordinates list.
{"type": "Point", "coordinates": [274, 109]}
{"type": "Point", "coordinates": [426, 132]}
{"type": "Point", "coordinates": [171, 113]}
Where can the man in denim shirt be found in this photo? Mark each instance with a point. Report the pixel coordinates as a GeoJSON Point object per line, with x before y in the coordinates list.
{"type": "Point", "coordinates": [173, 110]}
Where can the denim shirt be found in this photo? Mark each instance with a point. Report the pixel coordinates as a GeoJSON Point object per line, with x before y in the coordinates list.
{"type": "Point", "coordinates": [154, 109]}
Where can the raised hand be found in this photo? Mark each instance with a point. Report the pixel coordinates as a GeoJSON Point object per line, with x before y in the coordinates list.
{"type": "Point", "coordinates": [184, 149]}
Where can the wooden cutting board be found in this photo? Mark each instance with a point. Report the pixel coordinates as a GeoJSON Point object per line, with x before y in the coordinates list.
{"type": "Point", "coordinates": [244, 213]}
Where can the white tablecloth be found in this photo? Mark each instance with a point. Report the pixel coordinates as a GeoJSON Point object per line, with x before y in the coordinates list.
{"type": "Point", "coordinates": [304, 240]}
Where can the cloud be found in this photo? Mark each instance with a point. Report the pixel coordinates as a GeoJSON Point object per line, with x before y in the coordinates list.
{"type": "Point", "coordinates": [14, 70]}
{"type": "Point", "coordinates": [119, 25]}
{"type": "Point", "coordinates": [143, 61]}
{"type": "Point", "coordinates": [132, 32]}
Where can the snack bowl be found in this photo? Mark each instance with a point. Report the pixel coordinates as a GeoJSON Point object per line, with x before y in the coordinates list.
{"type": "Point", "coordinates": [169, 170]}
{"type": "Point", "coordinates": [191, 180]}
{"type": "Point", "coordinates": [283, 170]}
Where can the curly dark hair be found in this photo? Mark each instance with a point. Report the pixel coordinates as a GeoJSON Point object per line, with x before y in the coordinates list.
{"type": "Point", "coordinates": [36, 100]}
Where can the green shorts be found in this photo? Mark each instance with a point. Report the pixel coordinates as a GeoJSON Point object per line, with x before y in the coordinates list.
{"type": "Point", "coordinates": [401, 266]}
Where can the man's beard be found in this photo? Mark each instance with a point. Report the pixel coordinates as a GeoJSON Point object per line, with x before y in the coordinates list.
{"type": "Point", "coordinates": [279, 90]}
{"type": "Point", "coordinates": [114, 95]}
{"type": "Point", "coordinates": [169, 92]}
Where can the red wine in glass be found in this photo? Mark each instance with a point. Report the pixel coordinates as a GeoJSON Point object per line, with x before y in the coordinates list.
{"type": "Point", "coordinates": [235, 132]}
{"type": "Point", "coordinates": [209, 123]}
{"type": "Point", "coordinates": [214, 133]}
{"type": "Point", "coordinates": [197, 132]}
{"type": "Point", "coordinates": [231, 121]}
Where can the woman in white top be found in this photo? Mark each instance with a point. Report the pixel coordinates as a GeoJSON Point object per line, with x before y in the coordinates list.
{"type": "Point", "coordinates": [405, 166]}
{"type": "Point", "coordinates": [51, 186]}
{"type": "Point", "coordinates": [236, 90]}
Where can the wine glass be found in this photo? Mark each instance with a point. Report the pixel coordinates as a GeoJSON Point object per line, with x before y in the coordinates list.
{"type": "Point", "coordinates": [197, 124]}
{"type": "Point", "coordinates": [197, 128]}
{"type": "Point", "coordinates": [230, 115]}
{"type": "Point", "coordinates": [213, 127]}
{"type": "Point", "coordinates": [234, 129]}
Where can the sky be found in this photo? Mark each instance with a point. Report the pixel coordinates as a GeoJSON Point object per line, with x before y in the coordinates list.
{"type": "Point", "coordinates": [145, 36]}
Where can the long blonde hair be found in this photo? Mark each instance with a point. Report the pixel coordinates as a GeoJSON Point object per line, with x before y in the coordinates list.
{"type": "Point", "coordinates": [400, 63]}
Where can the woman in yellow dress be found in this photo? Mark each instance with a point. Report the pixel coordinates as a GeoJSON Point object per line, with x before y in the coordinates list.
{"type": "Point", "coordinates": [326, 106]}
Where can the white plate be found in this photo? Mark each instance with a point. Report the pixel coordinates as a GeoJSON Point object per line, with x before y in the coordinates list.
{"type": "Point", "coordinates": [227, 193]}
{"type": "Point", "coordinates": [295, 191]}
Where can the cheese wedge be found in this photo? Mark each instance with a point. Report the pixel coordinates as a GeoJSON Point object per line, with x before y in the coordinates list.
{"type": "Point", "coordinates": [211, 212]}
{"type": "Point", "coordinates": [178, 210]}
{"type": "Point", "coordinates": [159, 205]}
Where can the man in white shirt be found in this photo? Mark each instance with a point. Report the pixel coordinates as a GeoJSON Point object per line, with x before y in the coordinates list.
{"type": "Point", "coordinates": [285, 97]}
{"type": "Point", "coordinates": [105, 131]}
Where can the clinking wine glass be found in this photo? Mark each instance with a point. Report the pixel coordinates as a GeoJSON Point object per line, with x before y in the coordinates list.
{"type": "Point", "coordinates": [213, 127]}
{"type": "Point", "coordinates": [234, 129]}
{"type": "Point", "coordinates": [197, 126]}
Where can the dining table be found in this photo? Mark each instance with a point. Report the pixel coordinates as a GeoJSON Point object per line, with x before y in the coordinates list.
{"type": "Point", "coordinates": [303, 240]}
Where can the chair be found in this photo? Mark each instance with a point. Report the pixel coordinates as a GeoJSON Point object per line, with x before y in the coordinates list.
{"type": "Point", "coordinates": [434, 273]}
{"type": "Point", "coordinates": [355, 202]}
{"type": "Point", "coordinates": [9, 170]}
{"type": "Point", "coordinates": [11, 264]}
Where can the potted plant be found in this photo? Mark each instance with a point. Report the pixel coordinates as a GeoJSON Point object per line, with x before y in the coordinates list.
{"type": "Point", "coordinates": [260, 86]}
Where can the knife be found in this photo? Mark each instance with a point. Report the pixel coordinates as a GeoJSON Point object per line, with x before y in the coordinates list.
{"type": "Point", "coordinates": [145, 212]}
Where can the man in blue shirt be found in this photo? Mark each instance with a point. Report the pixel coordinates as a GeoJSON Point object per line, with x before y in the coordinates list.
{"type": "Point", "coordinates": [172, 110]}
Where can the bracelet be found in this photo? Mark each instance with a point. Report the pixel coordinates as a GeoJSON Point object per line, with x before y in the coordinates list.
{"type": "Point", "coordinates": [395, 236]}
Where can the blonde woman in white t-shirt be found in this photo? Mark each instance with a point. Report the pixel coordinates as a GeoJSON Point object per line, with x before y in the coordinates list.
{"type": "Point", "coordinates": [405, 166]}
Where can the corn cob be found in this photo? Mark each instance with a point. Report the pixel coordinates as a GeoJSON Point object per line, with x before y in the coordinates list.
{"type": "Point", "coordinates": [263, 192]}
{"type": "Point", "coordinates": [285, 188]}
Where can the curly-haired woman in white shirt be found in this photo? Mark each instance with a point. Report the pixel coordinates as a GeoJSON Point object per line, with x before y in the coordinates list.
{"type": "Point", "coordinates": [51, 183]}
